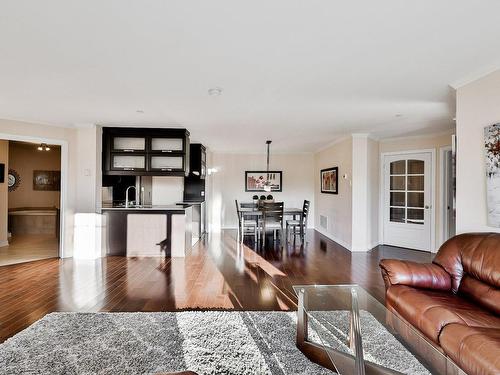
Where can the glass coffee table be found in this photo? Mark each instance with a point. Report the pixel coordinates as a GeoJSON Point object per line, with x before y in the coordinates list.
{"type": "Point", "coordinates": [345, 329]}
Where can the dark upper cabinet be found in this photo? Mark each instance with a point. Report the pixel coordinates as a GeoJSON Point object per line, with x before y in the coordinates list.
{"type": "Point", "coordinates": [146, 151]}
{"type": "Point", "coordinates": [198, 162]}
{"type": "Point", "coordinates": [194, 183]}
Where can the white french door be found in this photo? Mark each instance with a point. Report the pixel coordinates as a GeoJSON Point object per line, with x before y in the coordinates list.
{"type": "Point", "coordinates": [407, 200]}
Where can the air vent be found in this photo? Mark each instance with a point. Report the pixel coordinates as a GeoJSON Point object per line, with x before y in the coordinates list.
{"type": "Point", "coordinates": [323, 221]}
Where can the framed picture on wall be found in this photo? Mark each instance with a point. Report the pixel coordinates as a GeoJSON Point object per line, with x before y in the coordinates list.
{"type": "Point", "coordinates": [330, 180]}
{"type": "Point", "coordinates": [254, 180]}
{"type": "Point", "coordinates": [47, 180]}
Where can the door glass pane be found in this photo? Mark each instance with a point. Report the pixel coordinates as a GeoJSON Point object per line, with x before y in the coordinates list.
{"type": "Point", "coordinates": [415, 199]}
{"type": "Point", "coordinates": [397, 199]}
{"type": "Point", "coordinates": [415, 167]}
{"type": "Point", "coordinates": [129, 143]}
{"type": "Point", "coordinates": [416, 183]}
{"type": "Point", "coordinates": [167, 144]}
{"type": "Point", "coordinates": [397, 215]}
{"type": "Point", "coordinates": [415, 215]}
{"type": "Point", "coordinates": [398, 183]}
{"type": "Point", "coordinates": [129, 161]}
{"type": "Point", "coordinates": [398, 167]}
{"type": "Point", "coordinates": [166, 162]}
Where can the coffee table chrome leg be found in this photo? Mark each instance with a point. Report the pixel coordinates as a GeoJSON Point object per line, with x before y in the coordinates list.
{"type": "Point", "coordinates": [302, 330]}
{"type": "Point", "coordinates": [355, 335]}
{"type": "Point", "coordinates": [339, 362]}
{"type": "Point", "coordinates": [314, 352]}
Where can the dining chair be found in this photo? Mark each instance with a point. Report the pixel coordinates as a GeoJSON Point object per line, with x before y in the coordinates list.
{"type": "Point", "coordinates": [298, 227]}
{"type": "Point", "coordinates": [272, 220]}
{"type": "Point", "coordinates": [250, 225]}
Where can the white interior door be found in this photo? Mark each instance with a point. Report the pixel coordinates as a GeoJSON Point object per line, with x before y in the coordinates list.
{"type": "Point", "coordinates": [408, 200]}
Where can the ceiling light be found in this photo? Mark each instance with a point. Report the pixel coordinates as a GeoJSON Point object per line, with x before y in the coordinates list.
{"type": "Point", "coordinates": [215, 91]}
{"type": "Point", "coordinates": [43, 147]}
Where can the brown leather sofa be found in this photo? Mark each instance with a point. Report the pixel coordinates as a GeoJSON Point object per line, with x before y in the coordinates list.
{"type": "Point", "coordinates": [454, 301]}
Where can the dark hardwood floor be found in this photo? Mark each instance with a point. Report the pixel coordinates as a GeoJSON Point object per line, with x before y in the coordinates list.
{"type": "Point", "coordinates": [219, 273]}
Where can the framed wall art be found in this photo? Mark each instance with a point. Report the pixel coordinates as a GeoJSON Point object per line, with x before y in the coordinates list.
{"type": "Point", "coordinates": [330, 180]}
{"type": "Point", "coordinates": [47, 180]}
{"type": "Point", "coordinates": [254, 180]}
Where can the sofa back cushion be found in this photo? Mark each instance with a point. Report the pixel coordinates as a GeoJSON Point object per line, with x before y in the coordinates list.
{"type": "Point", "coordinates": [485, 295]}
{"type": "Point", "coordinates": [473, 261]}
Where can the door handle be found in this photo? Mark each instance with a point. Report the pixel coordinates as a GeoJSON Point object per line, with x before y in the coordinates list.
{"type": "Point", "coordinates": [427, 207]}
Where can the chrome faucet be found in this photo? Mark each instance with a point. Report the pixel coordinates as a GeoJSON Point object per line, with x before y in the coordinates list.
{"type": "Point", "coordinates": [126, 194]}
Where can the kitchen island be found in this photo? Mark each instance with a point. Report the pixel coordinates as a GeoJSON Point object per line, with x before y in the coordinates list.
{"type": "Point", "coordinates": [147, 230]}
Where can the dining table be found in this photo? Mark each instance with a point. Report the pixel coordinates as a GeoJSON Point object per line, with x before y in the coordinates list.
{"type": "Point", "coordinates": [253, 212]}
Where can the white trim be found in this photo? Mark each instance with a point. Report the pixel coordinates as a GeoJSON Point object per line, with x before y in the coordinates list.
{"type": "Point", "coordinates": [4, 243]}
{"type": "Point", "coordinates": [443, 193]}
{"type": "Point", "coordinates": [64, 177]}
{"type": "Point", "coordinates": [450, 131]}
{"type": "Point", "coordinates": [334, 239]}
{"type": "Point", "coordinates": [478, 74]}
{"type": "Point", "coordinates": [333, 143]}
{"type": "Point", "coordinates": [226, 227]}
{"type": "Point", "coordinates": [432, 151]}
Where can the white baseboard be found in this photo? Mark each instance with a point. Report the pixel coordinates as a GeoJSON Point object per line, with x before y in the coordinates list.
{"type": "Point", "coordinates": [334, 239]}
{"type": "Point", "coordinates": [230, 227]}
{"type": "Point", "coordinates": [4, 243]}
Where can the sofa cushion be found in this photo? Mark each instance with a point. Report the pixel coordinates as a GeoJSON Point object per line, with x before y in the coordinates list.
{"type": "Point", "coordinates": [430, 310]}
{"type": "Point", "coordinates": [476, 350]}
{"type": "Point", "coordinates": [475, 254]}
{"type": "Point", "coordinates": [482, 293]}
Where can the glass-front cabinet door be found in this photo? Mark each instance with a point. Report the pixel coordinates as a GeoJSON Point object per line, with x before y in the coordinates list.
{"type": "Point", "coordinates": [128, 144]}
{"type": "Point", "coordinates": [121, 162]}
{"type": "Point", "coordinates": [162, 144]}
{"type": "Point", "coordinates": [167, 163]}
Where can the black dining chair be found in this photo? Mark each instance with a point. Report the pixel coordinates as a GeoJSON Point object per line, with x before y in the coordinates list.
{"type": "Point", "coordinates": [298, 227]}
{"type": "Point", "coordinates": [272, 220]}
{"type": "Point", "coordinates": [250, 225]}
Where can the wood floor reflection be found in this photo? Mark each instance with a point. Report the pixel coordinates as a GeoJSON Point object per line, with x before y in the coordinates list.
{"type": "Point", "coordinates": [219, 273]}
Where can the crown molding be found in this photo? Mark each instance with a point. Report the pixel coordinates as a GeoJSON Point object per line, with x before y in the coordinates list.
{"type": "Point", "coordinates": [478, 74]}
{"type": "Point", "coordinates": [419, 136]}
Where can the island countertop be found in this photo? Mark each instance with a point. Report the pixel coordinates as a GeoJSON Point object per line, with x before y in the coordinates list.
{"type": "Point", "coordinates": [175, 208]}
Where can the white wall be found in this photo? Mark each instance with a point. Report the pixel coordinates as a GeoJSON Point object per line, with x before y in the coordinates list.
{"type": "Point", "coordinates": [336, 207]}
{"type": "Point", "coordinates": [373, 155]}
{"type": "Point", "coordinates": [478, 105]}
{"type": "Point", "coordinates": [360, 188]}
{"type": "Point", "coordinates": [88, 169]}
{"type": "Point", "coordinates": [228, 183]}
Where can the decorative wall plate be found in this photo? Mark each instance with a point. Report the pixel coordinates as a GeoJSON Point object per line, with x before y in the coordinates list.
{"type": "Point", "coordinates": [14, 180]}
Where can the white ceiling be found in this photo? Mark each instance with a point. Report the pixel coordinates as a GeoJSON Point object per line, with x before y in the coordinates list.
{"type": "Point", "coordinates": [299, 72]}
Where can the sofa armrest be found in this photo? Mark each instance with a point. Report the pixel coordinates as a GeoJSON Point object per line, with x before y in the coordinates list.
{"type": "Point", "coordinates": [418, 275]}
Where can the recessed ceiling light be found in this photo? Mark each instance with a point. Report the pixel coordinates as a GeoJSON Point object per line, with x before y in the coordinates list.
{"type": "Point", "coordinates": [140, 111]}
{"type": "Point", "coordinates": [215, 91]}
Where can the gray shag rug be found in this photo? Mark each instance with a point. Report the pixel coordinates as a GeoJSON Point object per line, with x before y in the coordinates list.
{"type": "Point", "coordinates": [211, 342]}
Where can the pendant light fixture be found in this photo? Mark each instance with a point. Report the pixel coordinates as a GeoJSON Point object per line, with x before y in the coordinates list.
{"type": "Point", "coordinates": [267, 184]}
